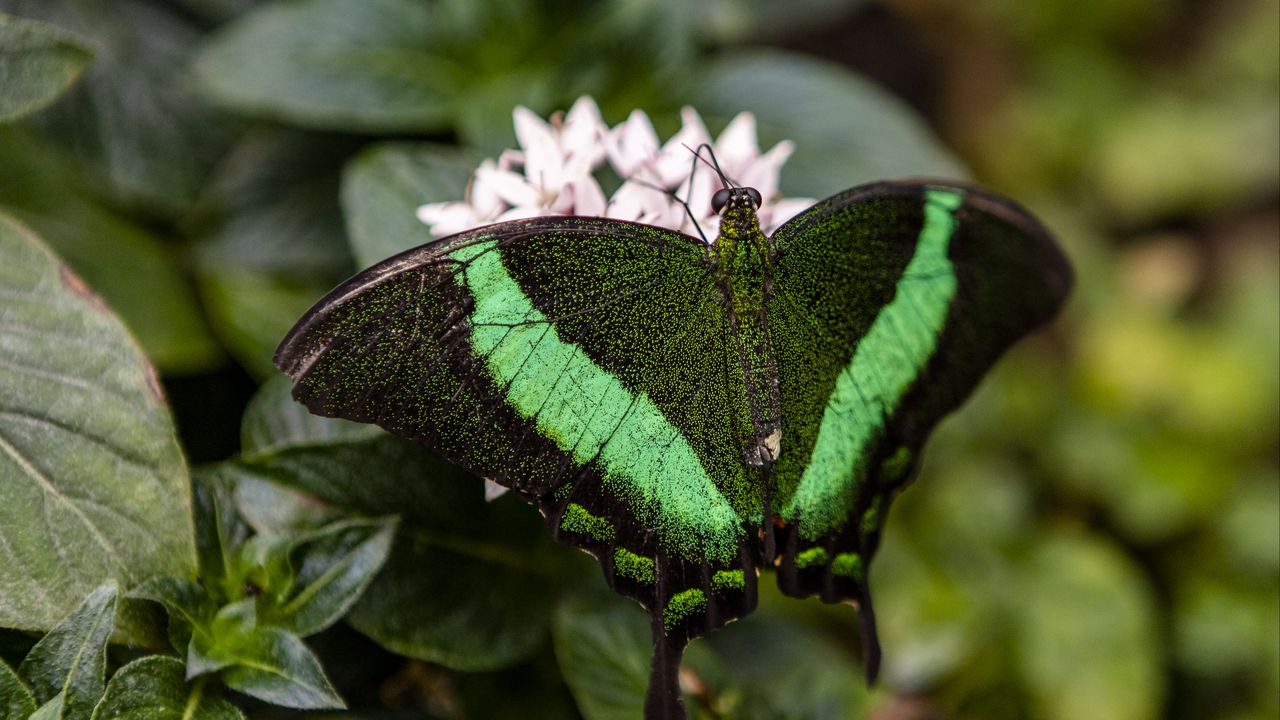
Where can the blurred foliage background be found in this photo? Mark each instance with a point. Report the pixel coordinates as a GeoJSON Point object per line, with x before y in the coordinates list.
{"type": "Point", "coordinates": [1096, 535]}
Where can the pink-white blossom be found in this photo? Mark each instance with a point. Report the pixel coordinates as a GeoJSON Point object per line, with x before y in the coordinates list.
{"type": "Point", "coordinates": [553, 173]}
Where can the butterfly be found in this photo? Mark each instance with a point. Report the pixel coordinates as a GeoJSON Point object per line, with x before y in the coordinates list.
{"type": "Point", "coordinates": [688, 412]}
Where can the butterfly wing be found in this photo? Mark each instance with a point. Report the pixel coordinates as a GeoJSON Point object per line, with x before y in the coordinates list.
{"type": "Point", "coordinates": [582, 362]}
{"type": "Point", "coordinates": [891, 301]}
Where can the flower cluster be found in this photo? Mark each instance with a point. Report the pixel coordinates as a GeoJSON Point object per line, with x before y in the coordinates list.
{"type": "Point", "coordinates": [553, 173]}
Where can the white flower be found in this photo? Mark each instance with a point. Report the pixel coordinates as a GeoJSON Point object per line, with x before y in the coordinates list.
{"type": "Point", "coordinates": [553, 173]}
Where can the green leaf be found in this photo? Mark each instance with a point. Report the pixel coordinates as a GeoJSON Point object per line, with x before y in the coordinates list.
{"type": "Point", "coordinates": [469, 584]}
{"type": "Point", "coordinates": [1087, 639]}
{"type": "Point", "coordinates": [187, 603]}
{"type": "Point", "coordinates": [273, 422]}
{"type": "Point", "coordinates": [780, 668]}
{"type": "Point", "coordinates": [407, 66]}
{"type": "Point", "coordinates": [37, 62]}
{"type": "Point", "coordinates": [383, 187]}
{"type": "Point", "coordinates": [371, 65]}
{"type": "Point", "coordinates": [252, 310]}
{"type": "Point", "coordinates": [71, 660]}
{"type": "Point", "coordinates": [129, 264]}
{"type": "Point", "coordinates": [275, 666]}
{"type": "Point", "coordinates": [51, 710]}
{"type": "Point", "coordinates": [16, 701]}
{"type": "Point", "coordinates": [220, 534]}
{"type": "Point", "coordinates": [273, 239]}
{"type": "Point", "coordinates": [268, 663]}
{"type": "Point", "coordinates": [155, 688]}
{"type": "Point", "coordinates": [603, 647]}
{"type": "Point", "coordinates": [94, 481]}
{"type": "Point", "coordinates": [464, 602]}
{"type": "Point", "coordinates": [271, 507]}
{"type": "Point", "coordinates": [133, 120]}
{"type": "Point", "coordinates": [848, 131]}
{"type": "Point", "coordinates": [335, 565]}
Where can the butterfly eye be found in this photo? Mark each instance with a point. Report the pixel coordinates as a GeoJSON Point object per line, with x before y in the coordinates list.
{"type": "Point", "coordinates": [754, 194]}
{"type": "Point", "coordinates": [720, 199]}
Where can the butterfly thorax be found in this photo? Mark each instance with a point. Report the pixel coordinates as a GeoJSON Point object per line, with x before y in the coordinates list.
{"type": "Point", "coordinates": [743, 268]}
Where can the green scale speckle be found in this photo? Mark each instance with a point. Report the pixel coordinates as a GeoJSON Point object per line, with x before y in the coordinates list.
{"type": "Point", "coordinates": [811, 557]}
{"type": "Point", "coordinates": [633, 566]}
{"type": "Point", "coordinates": [577, 519]}
{"type": "Point", "coordinates": [848, 565]}
{"type": "Point", "coordinates": [681, 605]}
{"type": "Point", "coordinates": [728, 580]}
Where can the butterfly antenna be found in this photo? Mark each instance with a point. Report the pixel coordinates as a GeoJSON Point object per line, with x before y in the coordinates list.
{"type": "Point", "coordinates": [713, 163]}
{"type": "Point", "coordinates": [683, 203]}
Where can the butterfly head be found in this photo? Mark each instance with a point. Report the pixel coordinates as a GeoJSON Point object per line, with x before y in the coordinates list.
{"type": "Point", "coordinates": [740, 238]}
{"type": "Point", "coordinates": [728, 197]}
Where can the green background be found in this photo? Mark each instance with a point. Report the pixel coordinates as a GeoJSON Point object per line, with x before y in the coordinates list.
{"type": "Point", "coordinates": [1095, 535]}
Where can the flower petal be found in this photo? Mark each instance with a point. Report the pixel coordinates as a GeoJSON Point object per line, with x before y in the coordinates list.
{"type": "Point", "coordinates": [588, 198]}
{"type": "Point", "coordinates": [736, 146]}
{"type": "Point", "coordinates": [543, 160]}
{"type": "Point", "coordinates": [581, 136]}
{"type": "Point", "coordinates": [447, 218]}
{"type": "Point", "coordinates": [675, 160]}
{"type": "Point", "coordinates": [632, 144]}
{"type": "Point", "coordinates": [762, 172]}
{"type": "Point", "coordinates": [509, 186]}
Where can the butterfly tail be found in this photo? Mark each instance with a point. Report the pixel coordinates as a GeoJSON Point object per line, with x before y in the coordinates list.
{"type": "Point", "coordinates": [870, 637]}
{"type": "Point", "coordinates": [663, 700]}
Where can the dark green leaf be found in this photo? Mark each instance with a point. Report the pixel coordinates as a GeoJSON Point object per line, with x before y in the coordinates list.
{"type": "Point", "coordinates": [16, 701]}
{"type": "Point", "coordinates": [37, 62]}
{"type": "Point", "coordinates": [272, 239]}
{"type": "Point", "coordinates": [155, 688]}
{"type": "Point", "coordinates": [130, 265]}
{"type": "Point", "coordinates": [274, 508]}
{"type": "Point", "coordinates": [603, 647]}
{"type": "Point", "coordinates": [71, 660]}
{"type": "Point", "coordinates": [383, 187]}
{"type": "Point", "coordinates": [849, 132]}
{"type": "Point", "coordinates": [467, 584]}
{"type": "Point", "coordinates": [466, 603]}
{"type": "Point", "coordinates": [776, 668]}
{"type": "Point", "coordinates": [268, 663]}
{"type": "Point", "coordinates": [133, 119]}
{"type": "Point", "coordinates": [94, 481]}
{"type": "Point", "coordinates": [1087, 640]}
{"type": "Point", "coordinates": [187, 603]}
{"type": "Point", "coordinates": [219, 533]}
{"type": "Point", "coordinates": [371, 65]}
{"type": "Point", "coordinates": [335, 565]}
{"type": "Point", "coordinates": [277, 667]}
{"type": "Point", "coordinates": [251, 310]}
{"type": "Point", "coordinates": [402, 65]}
{"type": "Point", "coordinates": [274, 422]}
{"type": "Point", "coordinates": [736, 21]}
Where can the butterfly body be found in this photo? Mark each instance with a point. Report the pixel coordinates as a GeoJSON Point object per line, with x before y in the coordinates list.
{"type": "Point", "coordinates": [692, 414]}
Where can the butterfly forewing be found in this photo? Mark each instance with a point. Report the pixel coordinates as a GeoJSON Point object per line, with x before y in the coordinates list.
{"type": "Point", "coordinates": [583, 363]}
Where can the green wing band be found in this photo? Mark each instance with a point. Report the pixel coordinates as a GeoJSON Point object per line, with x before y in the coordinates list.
{"type": "Point", "coordinates": [886, 362]}
{"type": "Point", "coordinates": [588, 413]}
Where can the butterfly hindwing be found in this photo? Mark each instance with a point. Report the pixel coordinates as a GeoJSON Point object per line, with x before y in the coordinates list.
{"type": "Point", "coordinates": [892, 300]}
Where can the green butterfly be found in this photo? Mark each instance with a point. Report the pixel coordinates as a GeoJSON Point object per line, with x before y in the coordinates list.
{"type": "Point", "coordinates": [691, 413]}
